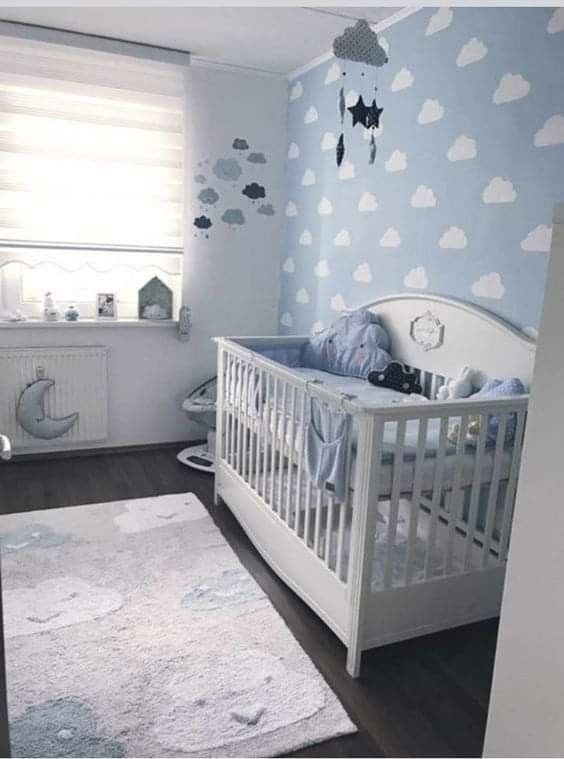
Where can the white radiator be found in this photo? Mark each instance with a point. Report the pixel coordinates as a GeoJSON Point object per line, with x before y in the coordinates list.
{"type": "Point", "coordinates": [80, 378]}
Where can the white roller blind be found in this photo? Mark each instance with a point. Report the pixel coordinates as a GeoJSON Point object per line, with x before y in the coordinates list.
{"type": "Point", "coordinates": [91, 147]}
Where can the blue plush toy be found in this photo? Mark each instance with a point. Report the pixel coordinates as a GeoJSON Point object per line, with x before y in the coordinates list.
{"type": "Point", "coordinates": [353, 346]}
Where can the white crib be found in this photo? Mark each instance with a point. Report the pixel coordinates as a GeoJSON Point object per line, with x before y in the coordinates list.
{"type": "Point", "coordinates": [420, 542]}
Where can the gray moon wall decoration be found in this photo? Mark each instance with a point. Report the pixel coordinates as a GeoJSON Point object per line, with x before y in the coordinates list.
{"type": "Point", "coordinates": [31, 414]}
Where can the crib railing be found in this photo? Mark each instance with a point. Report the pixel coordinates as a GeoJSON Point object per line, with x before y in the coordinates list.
{"type": "Point", "coordinates": [430, 486]}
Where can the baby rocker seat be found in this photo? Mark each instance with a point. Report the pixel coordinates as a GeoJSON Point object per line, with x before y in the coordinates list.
{"type": "Point", "coordinates": [200, 407]}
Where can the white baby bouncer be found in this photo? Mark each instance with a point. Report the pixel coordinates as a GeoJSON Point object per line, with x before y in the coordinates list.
{"type": "Point", "coordinates": [200, 406]}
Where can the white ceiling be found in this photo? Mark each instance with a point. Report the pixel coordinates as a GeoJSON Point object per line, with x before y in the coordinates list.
{"type": "Point", "coordinates": [275, 39]}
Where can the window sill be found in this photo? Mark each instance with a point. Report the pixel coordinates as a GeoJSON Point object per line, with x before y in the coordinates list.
{"type": "Point", "coordinates": [81, 323]}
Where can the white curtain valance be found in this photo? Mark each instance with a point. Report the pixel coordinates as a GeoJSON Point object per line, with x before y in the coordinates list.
{"type": "Point", "coordinates": [91, 147]}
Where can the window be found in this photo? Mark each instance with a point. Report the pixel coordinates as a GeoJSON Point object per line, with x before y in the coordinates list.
{"type": "Point", "coordinates": [91, 174]}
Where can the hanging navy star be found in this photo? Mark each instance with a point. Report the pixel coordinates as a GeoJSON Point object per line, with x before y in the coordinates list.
{"type": "Point", "coordinates": [373, 116]}
{"type": "Point", "coordinates": [368, 116]}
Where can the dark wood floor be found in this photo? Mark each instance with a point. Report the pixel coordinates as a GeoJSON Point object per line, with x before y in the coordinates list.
{"type": "Point", "coordinates": [424, 697]}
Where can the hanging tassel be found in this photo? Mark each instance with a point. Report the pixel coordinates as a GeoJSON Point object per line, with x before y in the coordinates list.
{"type": "Point", "coordinates": [372, 157]}
{"type": "Point", "coordinates": [342, 104]}
{"type": "Point", "coordinates": [340, 152]}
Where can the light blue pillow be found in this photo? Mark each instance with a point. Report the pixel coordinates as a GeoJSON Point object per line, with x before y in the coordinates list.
{"type": "Point", "coordinates": [501, 388]}
{"type": "Point", "coordinates": [352, 346]}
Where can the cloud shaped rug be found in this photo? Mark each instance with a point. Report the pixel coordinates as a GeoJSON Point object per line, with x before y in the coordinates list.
{"type": "Point", "coordinates": [132, 629]}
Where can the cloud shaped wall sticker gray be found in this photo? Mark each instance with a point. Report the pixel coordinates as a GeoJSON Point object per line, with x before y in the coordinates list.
{"type": "Point", "coordinates": [233, 217]}
{"type": "Point", "coordinates": [227, 169]}
{"type": "Point", "coordinates": [256, 158]}
{"type": "Point", "coordinates": [360, 44]}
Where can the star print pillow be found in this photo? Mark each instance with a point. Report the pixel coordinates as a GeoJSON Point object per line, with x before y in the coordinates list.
{"type": "Point", "coordinates": [353, 346]}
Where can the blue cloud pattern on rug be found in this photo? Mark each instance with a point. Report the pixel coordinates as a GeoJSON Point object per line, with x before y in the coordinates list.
{"type": "Point", "coordinates": [232, 587]}
{"type": "Point", "coordinates": [470, 162]}
{"type": "Point", "coordinates": [31, 536]}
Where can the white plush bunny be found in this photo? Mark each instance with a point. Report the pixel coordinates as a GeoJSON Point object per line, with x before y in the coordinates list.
{"type": "Point", "coordinates": [457, 387]}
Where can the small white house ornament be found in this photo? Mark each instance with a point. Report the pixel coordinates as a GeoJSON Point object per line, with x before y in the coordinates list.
{"type": "Point", "coordinates": [427, 331]}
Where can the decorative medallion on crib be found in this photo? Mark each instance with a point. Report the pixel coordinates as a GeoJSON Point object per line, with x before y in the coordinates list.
{"type": "Point", "coordinates": [427, 331]}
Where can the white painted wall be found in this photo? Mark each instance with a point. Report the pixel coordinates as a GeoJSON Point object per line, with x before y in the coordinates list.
{"type": "Point", "coordinates": [525, 717]}
{"type": "Point", "coordinates": [231, 279]}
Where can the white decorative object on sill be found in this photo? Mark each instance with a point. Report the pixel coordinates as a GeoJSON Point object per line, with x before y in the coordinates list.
{"type": "Point", "coordinates": [51, 311]}
{"type": "Point", "coordinates": [72, 314]}
{"type": "Point", "coordinates": [106, 306]}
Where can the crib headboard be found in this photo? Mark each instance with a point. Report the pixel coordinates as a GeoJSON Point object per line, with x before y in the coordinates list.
{"type": "Point", "coordinates": [441, 335]}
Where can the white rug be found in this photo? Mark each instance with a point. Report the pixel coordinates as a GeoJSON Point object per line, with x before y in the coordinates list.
{"type": "Point", "coordinates": [133, 630]}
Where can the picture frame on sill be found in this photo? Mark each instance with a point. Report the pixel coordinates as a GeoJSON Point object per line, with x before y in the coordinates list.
{"type": "Point", "coordinates": [106, 307]}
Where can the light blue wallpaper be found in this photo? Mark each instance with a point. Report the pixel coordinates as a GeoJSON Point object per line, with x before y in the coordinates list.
{"type": "Point", "coordinates": [469, 164]}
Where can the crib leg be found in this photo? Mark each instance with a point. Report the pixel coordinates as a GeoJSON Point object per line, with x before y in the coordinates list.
{"type": "Point", "coordinates": [354, 655]}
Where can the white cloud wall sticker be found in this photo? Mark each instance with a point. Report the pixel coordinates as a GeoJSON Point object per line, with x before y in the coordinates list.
{"type": "Point", "coordinates": [362, 273]}
{"type": "Point", "coordinates": [440, 20]}
{"type": "Point", "coordinates": [416, 278]}
{"type": "Point", "coordinates": [293, 151]}
{"type": "Point", "coordinates": [462, 149]}
{"type": "Point", "coordinates": [325, 207]}
{"type": "Point", "coordinates": [367, 202]}
{"type": "Point", "coordinates": [333, 73]}
{"type": "Point", "coordinates": [286, 319]}
{"type": "Point", "coordinates": [311, 115]}
{"type": "Point", "coordinates": [351, 97]}
{"type": "Point", "coordinates": [499, 190]}
{"type": "Point", "coordinates": [322, 269]}
{"type": "Point", "coordinates": [431, 111]}
{"type": "Point", "coordinates": [396, 162]}
{"type": "Point", "coordinates": [302, 296]}
{"type": "Point", "coordinates": [402, 80]}
{"type": "Point", "coordinates": [296, 91]}
{"type": "Point", "coordinates": [489, 286]}
{"type": "Point", "coordinates": [317, 327]}
{"type": "Point", "coordinates": [306, 237]}
{"type": "Point", "coordinates": [471, 52]}
{"type": "Point", "coordinates": [538, 239]}
{"type": "Point", "coordinates": [511, 87]}
{"type": "Point", "coordinates": [337, 303]}
{"type": "Point", "coordinates": [308, 178]}
{"type": "Point", "coordinates": [346, 170]}
{"type": "Point", "coordinates": [556, 23]}
{"type": "Point", "coordinates": [289, 266]}
{"type": "Point", "coordinates": [342, 239]}
{"type": "Point", "coordinates": [390, 238]}
{"type": "Point", "coordinates": [552, 133]}
{"type": "Point", "coordinates": [453, 238]}
{"type": "Point", "coordinates": [423, 197]}
{"type": "Point", "coordinates": [328, 141]}
{"type": "Point", "coordinates": [291, 209]}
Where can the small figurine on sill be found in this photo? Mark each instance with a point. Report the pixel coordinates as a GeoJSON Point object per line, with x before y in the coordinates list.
{"type": "Point", "coordinates": [72, 314]}
{"type": "Point", "coordinates": [51, 311]}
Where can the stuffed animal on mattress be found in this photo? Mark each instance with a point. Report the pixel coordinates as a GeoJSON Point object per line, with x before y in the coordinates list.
{"type": "Point", "coordinates": [352, 346]}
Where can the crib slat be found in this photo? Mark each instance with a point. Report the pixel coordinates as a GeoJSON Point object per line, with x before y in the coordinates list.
{"type": "Point", "coordinates": [475, 491]}
{"type": "Point", "coordinates": [455, 497]}
{"type": "Point", "coordinates": [317, 533]}
{"type": "Point", "coordinates": [494, 488]}
{"type": "Point", "coordinates": [329, 529]}
{"type": "Point", "coordinates": [245, 420]}
{"type": "Point", "coordinates": [232, 406]}
{"type": "Point", "coordinates": [251, 427]}
{"type": "Point", "coordinates": [259, 427]}
{"type": "Point", "coordinates": [274, 444]}
{"type": "Point", "coordinates": [509, 502]}
{"type": "Point", "coordinates": [281, 457]}
{"type": "Point", "coordinates": [341, 539]}
{"type": "Point", "coordinates": [415, 498]}
{"type": "Point", "coordinates": [292, 443]}
{"type": "Point", "coordinates": [437, 490]}
{"type": "Point", "coordinates": [300, 454]}
{"type": "Point", "coordinates": [266, 415]}
{"type": "Point", "coordinates": [394, 503]}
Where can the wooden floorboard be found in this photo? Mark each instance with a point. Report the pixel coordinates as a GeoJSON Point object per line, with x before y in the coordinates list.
{"type": "Point", "coordinates": [424, 697]}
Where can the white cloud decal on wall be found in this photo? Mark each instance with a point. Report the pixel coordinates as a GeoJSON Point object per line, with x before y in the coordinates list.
{"type": "Point", "coordinates": [556, 23]}
{"type": "Point", "coordinates": [474, 50]}
{"type": "Point", "coordinates": [462, 149]}
{"type": "Point", "coordinates": [291, 209]}
{"type": "Point", "coordinates": [343, 239]}
{"type": "Point", "coordinates": [337, 303]}
{"type": "Point", "coordinates": [321, 269]}
{"type": "Point", "coordinates": [538, 239]}
{"type": "Point", "coordinates": [423, 197]}
{"type": "Point", "coordinates": [293, 151]}
{"type": "Point", "coordinates": [308, 178]}
{"type": "Point", "coordinates": [346, 170]}
{"type": "Point", "coordinates": [362, 273]}
{"type": "Point", "coordinates": [296, 91]}
{"type": "Point", "coordinates": [311, 115]}
{"type": "Point", "coordinates": [416, 278]}
{"type": "Point", "coordinates": [367, 202]}
{"type": "Point", "coordinates": [431, 111]}
{"type": "Point", "coordinates": [384, 44]}
{"type": "Point", "coordinates": [402, 80]}
{"type": "Point", "coordinates": [511, 87]}
{"type": "Point", "coordinates": [317, 327]}
{"type": "Point", "coordinates": [489, 286]}
{"type": "Point", "coordinates": [499, 190]}
{"type": "Point", "coordinates": [351, 98]}
{"type": "Point", "coordinates": [552, 132]}
{"type": "Point", "coordinates": [289, 266]}
{"type": "Point", "coordinates": [286, 319]}
{"type": "Point", "coordinates": [454, 237]}
{"type": "Point", "coordinates": [390, 238]}
{"type": "Point", "coordinates": [302, 296]}
{"type": "Point", "coordinates": [439, 21]}
{"type": "Point", "coordinates": [306, 237]}
{"type": "Point", "coordinates": [324, 207]}
{"type": "Point", "coordinates": [396, 162]}
{"type": "Point", "coordinates": [333, 73]}
{"type": "Point", "coordinates": [328, 141]}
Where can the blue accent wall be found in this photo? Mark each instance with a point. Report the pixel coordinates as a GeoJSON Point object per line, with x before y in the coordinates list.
{"type": "Point", "coordinates": [469, 165]}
